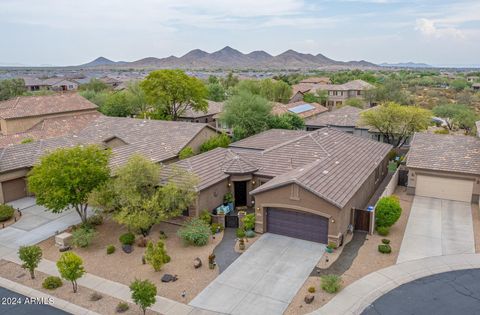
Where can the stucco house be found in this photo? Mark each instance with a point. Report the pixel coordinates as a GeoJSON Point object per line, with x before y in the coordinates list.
{"type": "Point", "coordinates": [301, 184]}
{"type": "Point", "coordinates": [444, 166]}
{"type": "Point", "coordinates": [54, 84]}
{"type": "Point", "coordinates": [158, 141]}
{"type": "Point", "coordinates": [301, 108]}
{"type": "Point", "coordinates": [208, 117]}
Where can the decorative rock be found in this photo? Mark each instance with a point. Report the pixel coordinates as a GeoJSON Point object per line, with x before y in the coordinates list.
{"type": "Point", "coordinates": [127, 248]}
{"type": "Point", "coordinates": [197, 263]}
{"type": "Point", "coordinates": [64, 249]}
{"type": "Point", "coordinates": [309, 298]}
{"type": "Point", "coordinates": [169, 278]}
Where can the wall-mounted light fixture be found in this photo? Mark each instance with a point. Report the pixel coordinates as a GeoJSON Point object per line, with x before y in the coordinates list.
{"type": "Point", "coordinates": [253, 182]}
{"type": "Point", "coordinates": [229, 184]}
{"type": "Point", "coordinates": [333, 220]}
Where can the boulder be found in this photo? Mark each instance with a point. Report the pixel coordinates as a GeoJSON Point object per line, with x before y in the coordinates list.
{"type": "Point", "coordinates": [309, 298]}
{"type": "Point", "coordinates": [127, 248]}
{"type": "Point", "coordinates": [197, 263]}
{"type": "Point", "coordinates": [64, 249]}
{"type": "Point", "coordinates": [169, 278]}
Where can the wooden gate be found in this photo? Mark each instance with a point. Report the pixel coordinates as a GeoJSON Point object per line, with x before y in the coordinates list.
{"type": "Point", "coordinates": [362, 220]}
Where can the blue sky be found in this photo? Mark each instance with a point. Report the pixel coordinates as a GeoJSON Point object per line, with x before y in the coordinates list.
{"type": "Point", "coordinates": [67, 32]}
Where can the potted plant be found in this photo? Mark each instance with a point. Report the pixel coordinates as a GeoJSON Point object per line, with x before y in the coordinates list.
{"type": "Point", "coordinates": [330, 247]}
{"type": "Point", "coordinates": [211, 261]}
{"type": "Point", "coordinates": [241, 244]}
{"type": "Point", "coordinates": [228, 200]}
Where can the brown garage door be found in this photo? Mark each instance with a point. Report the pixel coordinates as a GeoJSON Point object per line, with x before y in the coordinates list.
{"type": "Point", "coordinates": [300, 225]}
{"type": "Point", "coordinates": [14, 189]}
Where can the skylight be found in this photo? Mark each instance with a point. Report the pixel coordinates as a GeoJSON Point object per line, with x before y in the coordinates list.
{"type": "Point", "coordinates": [301, 108]}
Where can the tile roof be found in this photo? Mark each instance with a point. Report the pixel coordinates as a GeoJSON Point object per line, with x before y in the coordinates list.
{"type": "Point", "coordinates": [213, 108]}
{"type": "Point", "coordinates": [346, 116]}
{"type": "Point", "coordinates": [156, 140]}
{"type": "Point", "coordinates": [51, 128]}
{"type": "Point", "coordinates": [27, 106]}
{"type": "Point", "coordinates": [267, 139]}
{"type": "Point", "coordinates": [348, 86]}
{"type": "Point", "coordinates": [280, 108]}
{"type": "Point", "coordinates": [449, 153]}
{"type": "Point", "coordinates": [315, 80]}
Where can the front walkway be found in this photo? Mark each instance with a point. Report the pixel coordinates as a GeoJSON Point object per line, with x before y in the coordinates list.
{"type": "Point", "coordinates": [225, 253]}
{"type": "Point", "coordinates": [264, 279]}
{"type": "Point", "coordinates": [359, 295]}
{"type": "Point", "coordinates": [437, 227]}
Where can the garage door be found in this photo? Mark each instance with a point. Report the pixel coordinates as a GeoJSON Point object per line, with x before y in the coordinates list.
{"type": "Point", "coordinates": [14, 189]}
{"type": "Point", "coordinates": [300, 225]}
{"type": "Point", "coordinates": [444, 188]}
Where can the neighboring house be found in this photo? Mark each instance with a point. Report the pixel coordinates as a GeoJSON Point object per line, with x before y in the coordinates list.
{"type": "Point", "coordinates": [300, 184]}
{"type": "Point", "coordinates": [112, 82]}
{"type": "Point", "coordinates": [316, 80]}
{"type": "Point", "coordinates": [208, 117]}
{"type": "Point", "coordinates": [301, 108]}
{"type": "Point", "coordinates": [21, 113]}
{"type": "Point", "coordinates": [54, 84]}
{"type": "Point", "coordinates": [337, 93]}
{"type": "Point", "coordinates": [444, 166]}
{"type": "Point", "coordinates": [156, 140]}
{"type": "Point", "coordinates": [472, 79]}
{"type": "Point", "coordinates": [476, 87]}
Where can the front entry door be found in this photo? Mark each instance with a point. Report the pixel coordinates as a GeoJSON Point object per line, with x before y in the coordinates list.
{"type": "Point", "coordinates": [240, 194]}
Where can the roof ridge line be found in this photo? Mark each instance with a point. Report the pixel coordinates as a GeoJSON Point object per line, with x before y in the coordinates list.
{"type": "Point", "coordinates": [286, 142]}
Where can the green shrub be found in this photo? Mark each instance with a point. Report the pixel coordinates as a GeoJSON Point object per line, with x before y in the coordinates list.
{"type": "Point", "coordinates": [110, 249]}
{"type": "Point", "coordinates": [311, 289]}
{"type": "Point", "coordinates": [220, 141]}
{"type": "Point", "coordinates": [96, 219]}
{"type": "Point", "coordinates": [206, 217]}
{"type": "Point", "coordinates": [195, 232]}
{"type": "Point", "coordinates": [26, 140]}
{"type": "Point", "coordinates": [186, 153]}
{"type": "Point", "coordinates": [387, 211]}
{"type": "Point", "coordinates": [332, 245]}
{"type": "Point", "coordinates": [249, 221]}
{"type": "Point", "coordinates": [122, 307]}
{"type": "Point", "coordinates": [240, 233]}
{"type": "Point", "coordinates": [83, 236]}
{"type": "Point", "coordinates": [156, 255]}
{"type": "Point", "coordinates": [385, 241]}
{"type": "Point", "coordinates": [384, 248]}
{"type": "Point", "coordinates": [331, 283]}
{"type": "Point", "coordinates": [216, 227]}
{"type": "Point", "coordinates": [52, 283]}
{"type": "Point", "coordinates": [127, 238]}
{"type": "Point", "coordinates": [162, 235]}
{"type": "Point", "coordinates": [6, 212]}
{"type": "Point", "coordinates": [383, 230]}
{"type": "Point", "coordinates": [442, 131]}
{"type": "Point", "coordinates": [228, 197]}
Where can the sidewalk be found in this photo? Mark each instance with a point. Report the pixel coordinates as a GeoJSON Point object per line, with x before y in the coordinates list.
{"type": "Point", "coordinates": [360, 294]}
{"type": "Point", "coordinates": [117, 290]}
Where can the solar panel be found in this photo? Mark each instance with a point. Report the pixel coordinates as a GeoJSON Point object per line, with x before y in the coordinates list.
{"type": "Point", "coordinates": [301, 108]}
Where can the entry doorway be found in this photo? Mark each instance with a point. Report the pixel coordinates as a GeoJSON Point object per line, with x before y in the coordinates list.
{"type": "Point", "coordinates": [240, 189]}
{"type": "Point", "coordinates": [362, 220]}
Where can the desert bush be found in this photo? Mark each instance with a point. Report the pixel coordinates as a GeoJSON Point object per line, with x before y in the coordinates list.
{"type": "Point", "coordinates": [83, 236]}
{"type": "Point", "coordinates": [442, 131]}
{"type": "Point", "coordinates": [387, 211]}
{"type": "Point", "coordinates": [249, 221]}
{"type": "Point", "coordinates": [311, 289]}
{"type": "Point", "coordinates": [185, 153]}
{"type": "Point", "coordinates": [383, 230]}
{"type": "Point", "coordinates": [385, 241]}
{"type": "Point", "coordinates": [240, 233]}
{"type": "Point", "coordinates": [95, 296]}
{"type": "Point", "coordinates": [195, 232]}
{"type": "Point", "coordinates": [216, 227]}
{"type": "Point", "coordinates": [122, 307]}
{"type": "Point", "coordinates": [127, 238]}
{"type": "Point", "coordinates": [6, 212]}
{"type": "Point", "coordinates": [110, 249]}
{"type": "Point", "coordinates": [96, 219]}
{"type": "Point", "coordinates": [384, 248]}
{"type": "Point", "coordinates": [331, 283]}
{"type": "Point", "coordinates": [156, 255]}
{"type": "Point", "coordinates": [52, 283]}
{"type": "Point", "coordinates": [206, 217]}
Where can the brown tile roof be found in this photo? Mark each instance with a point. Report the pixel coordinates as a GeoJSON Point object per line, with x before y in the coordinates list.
{"type": "Point", "coordinates": [213, 108]}
{"type": "Point", "coordinates": [280, 108]}
{"type": "Point", "coordinates": [449, 153]}
{"type": "Point", "coordinates": [27, 106]}
{"type": "Point", "coordinates": [51, 128]}
{"type": "Point", "coordinates": [268, 139]}
{"type": "Point", "coordinates": [346, 116]}
{"type": "Point", "coordinates": [156, 140]}
{"type": "Point", "coordinates": [235, 163]}
{"type": "Point", "coordinates": [315, 80]}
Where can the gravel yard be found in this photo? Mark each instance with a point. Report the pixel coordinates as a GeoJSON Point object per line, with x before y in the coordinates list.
{"type": "Point", "coordinates": [124, 268]}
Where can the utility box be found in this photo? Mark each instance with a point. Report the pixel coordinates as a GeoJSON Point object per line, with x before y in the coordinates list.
{"type": "Point", "coordinates": [63, 240]}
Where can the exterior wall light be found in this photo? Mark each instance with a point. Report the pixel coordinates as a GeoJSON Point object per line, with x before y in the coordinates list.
{"type": "Point", "coordinates": [333, 221]}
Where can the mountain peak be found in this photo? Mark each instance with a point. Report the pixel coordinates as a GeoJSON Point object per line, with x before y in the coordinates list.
{"type": "Point", "coordinates": [100, 61]}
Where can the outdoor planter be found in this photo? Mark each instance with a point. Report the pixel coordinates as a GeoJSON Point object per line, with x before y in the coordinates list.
{"type": "Point", "coordinates": [329, 250]}
{"type": "Point", "coordinates": [127, 248]}
{"type": "Point", "coordinates": [241, 244]}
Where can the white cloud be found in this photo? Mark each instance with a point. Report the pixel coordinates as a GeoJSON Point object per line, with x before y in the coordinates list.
{"type": "Point", "coordinates": [429, 28]}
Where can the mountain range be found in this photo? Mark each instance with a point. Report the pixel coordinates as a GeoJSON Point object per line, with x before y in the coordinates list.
{"type": "Point", "coordinates": [229, 58]}
{"type": "Point", "coordinates": [406, 65]}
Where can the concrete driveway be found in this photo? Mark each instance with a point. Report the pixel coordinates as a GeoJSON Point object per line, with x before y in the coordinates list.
{"type": "Point", "coordinates": [437, 227]}
{"type": "Point", "coordinates": [264, 279]}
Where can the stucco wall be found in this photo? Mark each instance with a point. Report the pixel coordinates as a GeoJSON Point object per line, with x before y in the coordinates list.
{"type": "Point", "coordinates": [205, 134]}
{"type": "Point", "coordinates": [210, 198]}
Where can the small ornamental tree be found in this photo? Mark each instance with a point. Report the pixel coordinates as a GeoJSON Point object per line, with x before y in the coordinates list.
{"type": "Point", "coordinates": [387, 211]}
{"type": "Point", "coordinates": [70, 267]}
{"type": "Point", "coordinates": [143, 293]}
{"type": "Point", "coordinates": [30, 256]}
{"type": "Point", "coordinates": [156, 255]}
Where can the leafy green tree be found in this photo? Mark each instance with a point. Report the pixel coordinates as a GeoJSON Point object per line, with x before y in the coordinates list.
{"type": "Point", "coordinates": [143, 294]}
{"type": "Point", "coordinates": [216, 92]}
{"type": "Point", "coordinates": [397, 123]}
{"type": "Point", "coordinates": [459, 84]}
{"type": "Point", "coordinates": [219, 141]}
{"type": "Point", "coordinates": [94, 85]}
{"type": "Point", "coordinates": [212, 79]}
{"type": "Point", "coordinates": [275, 91]}
{"type": "Point", "coordinates": [116, 105]}
{"type": "Point", "coordinates": [247, 114]}
{"type": "Point", "coordinates": [10, 88]}
{"type": "Point", "coordinates": [66, 177]}
{"type": "Point", "coordinates": [456, 116]}
{"type": "Point", "coordinates": [97, 98]}
{"type": "Point", "coordinates": [229, 81]}
{"type": "Point", "coordinates": [389, 91]}
{"type": "Point", "coordinates": [185, 153]}
{"type": "Point", "coordinates": [30, 256]}
{"type": "Point", "coordinates": [156, 255]}
{"type": "Point", "coordinates": [137, 99]}
{"type": "Point", "coordinates": [287, 121]}
{"type": "Point", "coordinates": [70, 267]}
{"type": "Point", "coordinates": [355, 102]}
{"type": "Point", "coordinates": [172, 92]}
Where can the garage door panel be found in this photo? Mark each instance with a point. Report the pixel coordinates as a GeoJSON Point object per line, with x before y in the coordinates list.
{"type": "Point", "coordinates": [14, 189]}
{"type": "Point", "coordinates": [444, 188]}
{"type": "Point", "coordinates": [295, 224]}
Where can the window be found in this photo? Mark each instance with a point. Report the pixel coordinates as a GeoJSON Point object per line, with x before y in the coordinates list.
{"type": "Point", "coordinates": [294, 192]}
